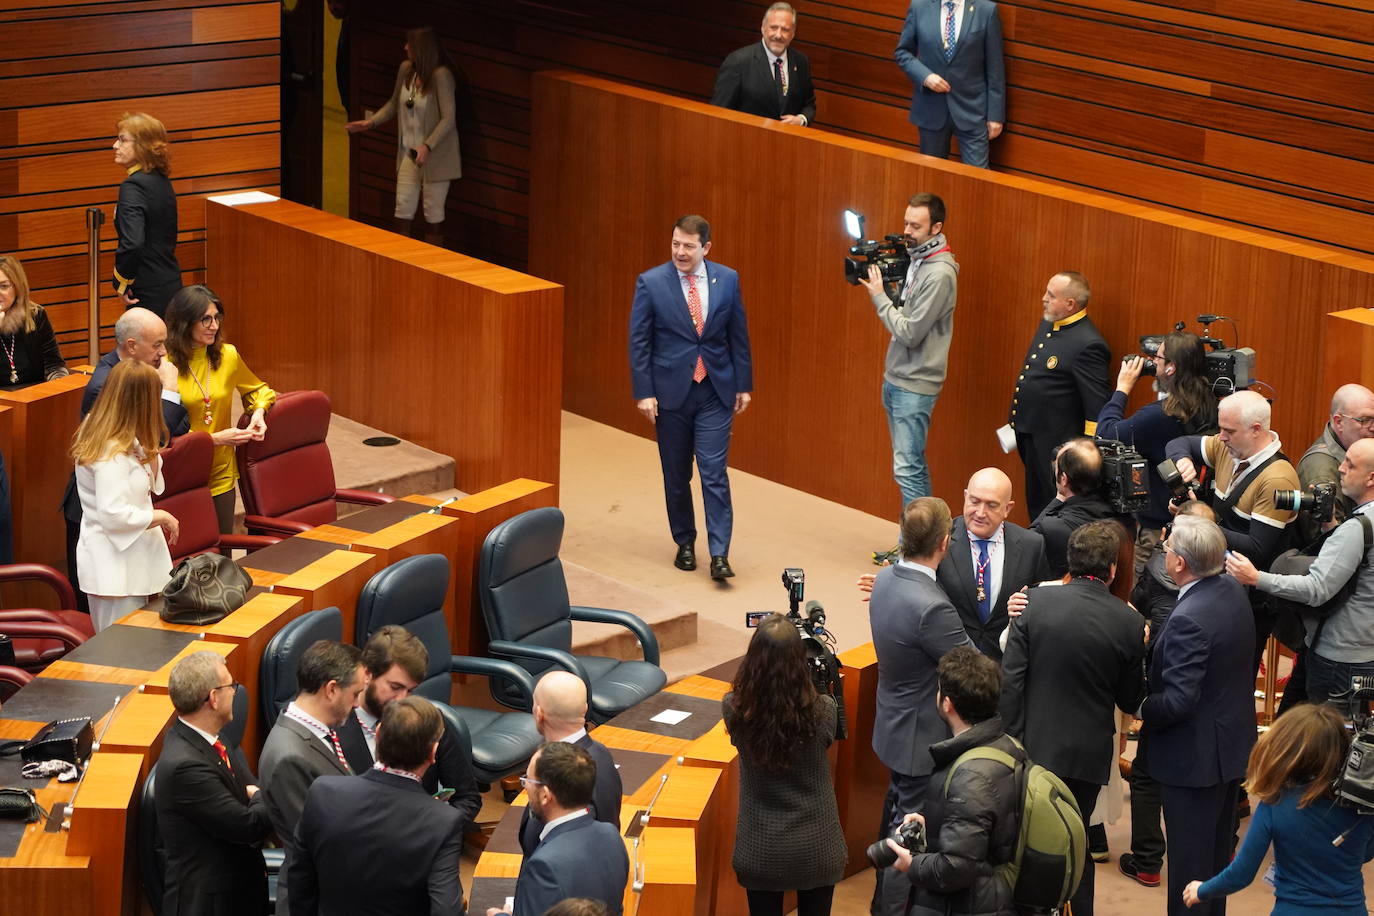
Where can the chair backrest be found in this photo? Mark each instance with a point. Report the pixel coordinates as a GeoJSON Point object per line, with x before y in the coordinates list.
{"type": "Point", "coordinates": [411, 593]}
{"type": "Point", "coordinates": [524, 594]}
{"type": "Point", "coordinates": [289, 474]}
{"type": "Point", "coordinates": [152, 859]}
{"type": "Point", "coordinates": [277, 678]}
{"type": "Point", "coordinates": [231, 736]}
{"type": "Point", "coordinates": [186, 494]}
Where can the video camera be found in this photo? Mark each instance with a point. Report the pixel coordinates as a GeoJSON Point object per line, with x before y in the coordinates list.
{"type": "Point", "coordinates": [1319, 500]}
{"type": "Point", "coordinates": [819, 642]}
{"type": "Point", "coordinates": [890, 255]}
{"type": "Point", "coordinates": [1125, 477]}
{"type": "Point", "coordinates": [1354, 785]}
{"type": "Point", "coordinates": [1229, 369]}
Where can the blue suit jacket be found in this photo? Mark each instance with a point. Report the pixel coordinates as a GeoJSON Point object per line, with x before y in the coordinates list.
{"type": "Point", "coordinates": [664, 344]}
{"type": "Point", "coordinates": [579, 858]}
{"type": "Point", "coordinates": [976, 75]}
{"type": "Point", "coordinates": [1200, 712]}
{"type": "Point", "coordinates": [606, 796]}
{"type": "Point", "coordinates": [913, 624]}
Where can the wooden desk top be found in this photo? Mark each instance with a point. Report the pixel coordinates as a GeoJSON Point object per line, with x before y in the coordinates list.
{"type": "Point", "coordinates": [233, 658]}
{"type": "Point", "coordinates": [240, 626]}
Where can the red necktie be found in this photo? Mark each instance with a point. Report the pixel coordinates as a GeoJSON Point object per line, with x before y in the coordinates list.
{"type": "Point", "coordinates": [223, 754]}
{"type": "Point", "coordinates": [338, 750]}
{"type": "Point", "coordinates": [698, 321]}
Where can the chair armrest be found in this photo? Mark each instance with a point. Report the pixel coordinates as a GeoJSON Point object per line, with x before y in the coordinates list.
{"type": "Point", "coordinates": [565, 660]}
{"type": "Point", "coordinates": [648, 641]}
{"type": "Point", "coordinates": [26, 572]}
{"type": "Point", "coordinates": [29, 615]}
{"type": "Point", "coordinates": [248, 542]}
{"type": "Point", "coordinates": [495, 667]}
{"type": "Point", "coordinates": [282, 526]}
{"type": "Point", "coordinates": [363, 497]}
{"type": "Point", "coordinates": [33, 630]}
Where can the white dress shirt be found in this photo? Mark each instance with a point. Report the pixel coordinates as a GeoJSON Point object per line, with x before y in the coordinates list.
{"type": "Point", "coordinates": [703, 285]}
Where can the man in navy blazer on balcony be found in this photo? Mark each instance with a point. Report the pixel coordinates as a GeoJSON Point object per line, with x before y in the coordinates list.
{"type": "Point", "coordinates": [690, 371]}
{"type": "Point", "coordinates": [952, 52]}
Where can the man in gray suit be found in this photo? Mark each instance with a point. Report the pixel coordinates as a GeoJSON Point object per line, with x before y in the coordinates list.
{"type": "Point", "coordinates": [303, 745]}
{"type": "Point", "coordinates": [913, 625]}
{"type": "Point", "coordinates": [951, 51]}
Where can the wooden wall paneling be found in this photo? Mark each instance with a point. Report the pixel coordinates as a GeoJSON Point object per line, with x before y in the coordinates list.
{"type": "Point", "coordinates": [1171, 101]}
{"type": "Point", "coordinates": [208, 68]}
{"type": "Point", "coordinates": [619, 163]}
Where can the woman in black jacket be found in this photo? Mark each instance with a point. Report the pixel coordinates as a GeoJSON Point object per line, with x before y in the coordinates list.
{"type": "Point", "coordinates": [146, 271]}
{"type": "Point", "coordinates": [28, 347]}
{"type": "Point", "coordinates": [788, 833]}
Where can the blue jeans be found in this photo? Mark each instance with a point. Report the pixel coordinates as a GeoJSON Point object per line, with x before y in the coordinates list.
{"type": "Point", "coordinates": [908, 420]}
{"type": "Point", "coordinates": [1326, 678]}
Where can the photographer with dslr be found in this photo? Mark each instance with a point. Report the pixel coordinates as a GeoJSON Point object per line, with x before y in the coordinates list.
{"type": "Point", "coordinates": [921, 323]}
{"type": "Point", "coordinates": [972, 823]}
{"type": "Point", "coordinates": [1352, 419]}
{"type": "Point", "coordinates": [1077, 500]}
{"type": "Point", "coordinates": [1341, 644]}
{"type": "Point", "coordinates": [1320, 846]}
{"type": "Point", "coordinates": [787, 836]}
{"type": "Point", "coordinates": [1188, 408]}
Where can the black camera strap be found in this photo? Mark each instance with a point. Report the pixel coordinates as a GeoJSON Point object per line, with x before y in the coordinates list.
{"type": "Point", "coordinates": [1225, 508]}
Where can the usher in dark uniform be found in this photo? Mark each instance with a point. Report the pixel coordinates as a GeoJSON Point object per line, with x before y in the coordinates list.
{"type": "Point", "coordinates": [146, 221]}
{"type": "Point", "coordinates": [1059, 391]}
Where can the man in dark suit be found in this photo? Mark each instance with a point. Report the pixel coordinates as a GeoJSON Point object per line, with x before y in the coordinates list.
{"type": "Point", "coordinates": [141, 335]}
{"type": "Point", "coordinates": [690, 371]}
{"type": "Point", "coordinates": [1199, 716]}
{"type": "Point", "coordinates": [378, 843]}
{"type": "Point", "coordinates": [304, 745]}
{"type": "Point", "coordinates": [1073, 658]}
{"type": "Point", "coordinates": [769, 78]}
{"type": "Point", "coordinates": [396, 661]}
{"type": "Point", "coordinates": [952, 53]}
{"type": "Point", "coordinates": [913, 625]}
{"type": "Point", "coordinates": [560, 714]}
{"type": "Point", "coordinates": [989, 560]}
{"type": "Point", "coordinates": [1062, 384]}
{"type": "Point", "coordinates": [577, 856]}
{"type": "Point", "coordinates": [1077, 500]}
{"type": "Point", "coordinates": [210, 819]}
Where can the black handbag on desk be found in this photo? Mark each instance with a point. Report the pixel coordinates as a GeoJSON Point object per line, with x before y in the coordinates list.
{"type": "Point", "coordinates": [69, 740]}
{"type": "Point", "coordinates": [18, 805]}
{"type": "Point", "coordinates": [204, 589]}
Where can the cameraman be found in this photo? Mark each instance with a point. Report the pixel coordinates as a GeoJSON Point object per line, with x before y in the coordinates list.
{"type": "Point", "coordinates": [1249, 470]}
{"type": "Point", "coordinates": [788, 833]}
{"type": "Point", "coordinates": [1352, 419]}
{"type": "Point", "coordinates": [1077, 500]}
{"type": "Point", "coordinates": [921, 323]}
{"type": "Point", "coordinates": [1343, 645]}
{"type": "Point", "coordinates": [1188, 408]}
{"type": "Point", "coordinates": [973, 825]}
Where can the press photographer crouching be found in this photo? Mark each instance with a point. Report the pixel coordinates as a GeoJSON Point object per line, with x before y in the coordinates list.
{"type": "Point", "coordinates": [1337, 591]}
{"type": "Point", "coordinates": [971, 823]}
{"type": "Point", "coordinates": [788, 833]}
{"type": "Point", "coordinates": [1188, 408]}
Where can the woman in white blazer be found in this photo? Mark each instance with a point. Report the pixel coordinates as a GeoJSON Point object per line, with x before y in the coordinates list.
{"type": "Point", "coordinates": [121, 554]}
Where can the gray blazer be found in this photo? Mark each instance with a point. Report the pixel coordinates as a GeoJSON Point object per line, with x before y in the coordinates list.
{"type": "Point", "coordinates": [444, 162]}
{"type": "Point", "coordinates": [976, 74]}
{"type": "Point", "coordinates": [913, 625]}
{"type": "Point", "coordinates": [292, 759]}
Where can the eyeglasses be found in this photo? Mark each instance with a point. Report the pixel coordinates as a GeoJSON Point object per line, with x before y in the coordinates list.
{"type": "Point", "coordinates": [209, 321]}
{"type": "Point", "coordinates": [527, 781]}
{"type": "Point", "coordinates": [231, 685]}
{"type": "Point", "coordinates": [1359, 421]}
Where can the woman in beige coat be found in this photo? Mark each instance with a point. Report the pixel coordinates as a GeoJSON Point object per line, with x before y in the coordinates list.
{"type": "Point", "coordinates": [427, 153]}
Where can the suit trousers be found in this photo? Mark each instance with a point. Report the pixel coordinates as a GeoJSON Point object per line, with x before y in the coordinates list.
{"type": "Point", "coordinates": [1201, 826]}
{"type": "Point", "coordinates": [905, 795]}
{"type": "Point", "coordinates": [1035, 450]}
{"type": "Point", "coordinates": [1085, 794]}
{"type": "Point", "coordinates": [973, 144]}
{"type": "Point", "coordinates": [1147, 839]}
{"type": "Point", "coordinates": [699, 428]}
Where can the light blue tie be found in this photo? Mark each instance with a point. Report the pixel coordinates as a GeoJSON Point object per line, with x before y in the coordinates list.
{"type": "Point", "coordinates": [949, 30]}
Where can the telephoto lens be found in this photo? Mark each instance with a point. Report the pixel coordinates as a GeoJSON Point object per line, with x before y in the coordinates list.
{"type": "Point", "coordinates": [911, 836]}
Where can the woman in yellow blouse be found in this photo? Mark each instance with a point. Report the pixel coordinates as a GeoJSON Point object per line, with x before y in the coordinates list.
{"type": "Point", "coordinates": [210, 371]}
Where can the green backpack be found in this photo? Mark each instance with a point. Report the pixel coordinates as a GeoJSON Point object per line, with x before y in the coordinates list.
{"type": "Point", "coordinates": [1051, 844]}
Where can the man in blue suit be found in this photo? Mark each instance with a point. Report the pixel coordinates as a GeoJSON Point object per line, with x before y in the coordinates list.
{"type": "Point", "coordinates": [690, 371]}
{"type": "Point", "coordinates": [1200, 712]}
{"type": "Point", "coordinates": [576, 855]}
{"type": "Point", "coordinates": [952, 52]}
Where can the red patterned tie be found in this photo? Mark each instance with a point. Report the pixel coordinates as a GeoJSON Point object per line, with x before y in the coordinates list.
{"type": "Point", "coordinates": [338, 750]}
{"type": "Point", "coordinates": [224, 754]}
{"type": "Point", "coordinates": [698, 321]}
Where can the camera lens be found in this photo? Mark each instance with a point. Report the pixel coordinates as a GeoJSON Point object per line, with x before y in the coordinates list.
{"type": "Point", "coordinates": [1293, 500]}
{"type": "Point", "coordinates": [881, 854]}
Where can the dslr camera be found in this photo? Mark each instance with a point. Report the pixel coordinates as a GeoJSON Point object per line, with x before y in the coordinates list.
{"type": "Point", "coordinates": [1179, 491]}
{"type": "Point", "coordinates": [1319, 500]}
{"type": "Point", "coordinates": [1125, 477]}
{"type": "Point", "coordinates": [911, 836]}
{"type": "Point", "coordinates": [890, 255]}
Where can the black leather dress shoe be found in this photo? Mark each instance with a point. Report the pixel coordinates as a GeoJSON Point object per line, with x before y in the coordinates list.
{"type": "Point", "coordinates": [686, 557]}
{"type": "Point", "coordinates": [720, 568]}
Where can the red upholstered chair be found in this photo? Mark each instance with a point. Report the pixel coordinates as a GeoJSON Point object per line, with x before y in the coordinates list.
{"type": "Point", "coordinates": [287, 479]}
{"type": "Point", "coordinates": [43, 636]}
{"type": "Point", "coordinates": [11, 679]}
{"type": "Point", "coordinates": [186, 494]}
